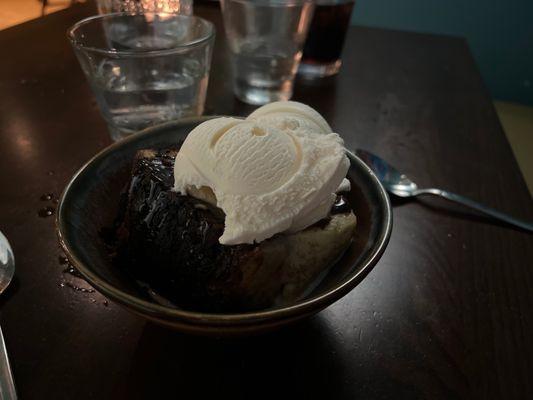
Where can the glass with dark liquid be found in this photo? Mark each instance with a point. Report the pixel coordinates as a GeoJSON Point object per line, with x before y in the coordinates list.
{"type": "Point", "coordinates": [325, 40]}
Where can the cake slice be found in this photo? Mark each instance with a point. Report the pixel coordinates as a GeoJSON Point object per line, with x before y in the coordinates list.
{"type": "Point", "coordinates": [170, 242]}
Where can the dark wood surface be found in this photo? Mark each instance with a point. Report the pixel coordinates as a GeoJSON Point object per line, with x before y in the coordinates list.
{"type": "Point", "coordinates": [446, 314]}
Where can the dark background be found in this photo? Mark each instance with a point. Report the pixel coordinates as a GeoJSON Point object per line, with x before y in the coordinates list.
{"type": "Point", "coordinates": [499, 33]}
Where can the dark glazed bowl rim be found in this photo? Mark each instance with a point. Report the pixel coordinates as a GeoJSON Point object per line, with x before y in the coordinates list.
{"type": "Point", "coordinates": [302, 307]}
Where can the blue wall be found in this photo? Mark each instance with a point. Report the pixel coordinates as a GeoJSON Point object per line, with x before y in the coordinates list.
{"type": "Point", "coordinates": [499, 33]}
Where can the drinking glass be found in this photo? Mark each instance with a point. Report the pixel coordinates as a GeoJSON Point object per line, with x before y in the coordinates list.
{"type": "Point", "coordinates": [145, 6]}
{"type": "Point", "coordinates": [323, 46]}
{"type": "Point", "coordinates": [144, 69]}
{"type": "Point", "coordinates": [265, 38]}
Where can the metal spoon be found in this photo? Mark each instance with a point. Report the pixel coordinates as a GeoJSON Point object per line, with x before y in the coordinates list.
{"type": "Point", "coordinates": [7, 270]}
{"type": "Point", "coordinates": [397, 183]}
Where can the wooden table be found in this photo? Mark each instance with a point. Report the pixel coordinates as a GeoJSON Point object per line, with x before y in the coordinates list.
{"type": "Point", "coordinates": [446, 314]}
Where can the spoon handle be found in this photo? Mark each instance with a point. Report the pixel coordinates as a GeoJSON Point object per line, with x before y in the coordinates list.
{"type": "Point", "coordinates": [7, 386]}
{"type": "Point", "coordinates": [478, 207]}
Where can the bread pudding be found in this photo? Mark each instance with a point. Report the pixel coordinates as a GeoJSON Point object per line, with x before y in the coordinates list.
{"type": "Point", "coordinates": [245, 215]}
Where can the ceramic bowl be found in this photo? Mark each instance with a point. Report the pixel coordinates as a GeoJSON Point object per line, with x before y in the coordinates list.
{"type": "Point", "coordinates": [90, 202]}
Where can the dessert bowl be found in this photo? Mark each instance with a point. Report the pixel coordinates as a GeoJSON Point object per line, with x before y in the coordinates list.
{"type": "Point", "coordinates": [90, 202]}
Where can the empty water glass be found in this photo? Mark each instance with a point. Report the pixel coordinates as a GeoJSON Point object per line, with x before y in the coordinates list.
{"type": "Point", "coordinates": [145, 69]}
{"type": "Point", "coordinates": [145, 6]}
{"type": "Point", "coordinates": [265, 38]}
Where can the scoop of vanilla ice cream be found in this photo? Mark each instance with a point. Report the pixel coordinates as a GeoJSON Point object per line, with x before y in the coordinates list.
{"type": "Point", "coordinates": [276, 171]}
{"type": "Point", "coordinates": [283, 110]}
{"type": "Point", "coordinates": [284, 114]}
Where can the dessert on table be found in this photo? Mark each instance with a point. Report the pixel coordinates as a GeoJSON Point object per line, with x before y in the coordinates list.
{"type": "Point", "coordinates": [246, 214]}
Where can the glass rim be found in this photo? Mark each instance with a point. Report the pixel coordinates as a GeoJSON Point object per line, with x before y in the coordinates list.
{"type": "Point", "coordinates": [271, 3]}
{"type": "Point", "coordinates": [71, 35]}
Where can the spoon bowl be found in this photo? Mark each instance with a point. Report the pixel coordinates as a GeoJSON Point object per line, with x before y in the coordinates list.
{"type": "Point", "coordinates": [7, 270]}
{"type": "Point", "coordinates": [7, 263]}
{"type": "Point", "coordinates": [393, 180]}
